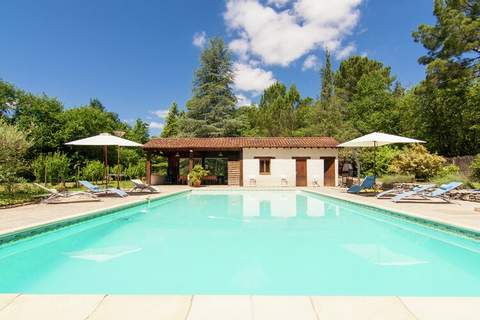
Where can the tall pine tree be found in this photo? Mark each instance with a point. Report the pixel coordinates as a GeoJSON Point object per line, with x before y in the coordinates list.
{"type": "Point", "coordinates": [171, 122]}
{"type": "Point", "coordinates": [327, 79]}
{"type": "Point", "coordinates": [211, 109]}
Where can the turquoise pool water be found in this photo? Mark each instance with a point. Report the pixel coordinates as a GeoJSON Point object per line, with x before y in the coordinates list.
{"type": "Point", "coordinates": [244, 242]}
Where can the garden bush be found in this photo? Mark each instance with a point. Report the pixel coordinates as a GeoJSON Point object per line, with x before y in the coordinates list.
{"type": "Point", "coordinates": [383, 158]}
{"type": "Point", "coordinates": [93, 171]}
{"type": "Point", "coordinates": [52, 167]}
{"type": "Point", "coordinates": [388, 181]}
{"type": "Point", "coordinates": [439, 180]}
{"type": "Point", "coordinates": [13, 147]}
{"type": "Point", "coordinates": [137, 170]}
{"type": "Point", "coordinates": [475, 167]}
{"type": "Point", "coordinates": [416, 160]}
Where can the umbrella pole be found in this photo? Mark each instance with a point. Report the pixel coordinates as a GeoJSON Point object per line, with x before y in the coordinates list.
{"type": "Point", "coordinates": [374, 161]}
{"type": "Point", "coordinates": [105, 155]}
{"type": "Point", "coordinates": [118, 167]}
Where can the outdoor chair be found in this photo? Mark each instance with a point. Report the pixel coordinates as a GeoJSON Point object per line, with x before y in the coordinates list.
{"type": "Point", "coordinates": [55, 195]}
{"type": "Point", "coordinates": [139, 186]}
{"type": "Point", "coordinates": [438, 193]}
{"type": "Point", "coordinates": [367, 183]}
{"type": "Point", "coordinates": [99, 191]}
{"type": "Point", "coordinates": [388, 194]}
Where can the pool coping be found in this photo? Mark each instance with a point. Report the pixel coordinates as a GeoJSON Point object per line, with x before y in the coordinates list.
{"type": "Point", "coordinates": [436, 223]}
{"type": "Point", "coordinates": [18, 233]}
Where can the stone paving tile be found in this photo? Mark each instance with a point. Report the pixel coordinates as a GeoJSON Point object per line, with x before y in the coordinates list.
{"type": "Point", "coordinates": [51, 307]}
{"type": "Point", "coordinates": [145, 307]}
{"type": "Point", "coordinates": [221, 308]}
{"type": "Point", "coordinates": [282, 308]}
{"type": "Point", "coordinates": [443, 308]}
{"type": "Point", "coordinates": [6, 299]}
{"type": "Point", "coordinates": [361, 308]}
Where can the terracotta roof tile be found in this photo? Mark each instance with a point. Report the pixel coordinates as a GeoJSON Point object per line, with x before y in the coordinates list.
{"type": "Point", "coordinates": [240, 142]}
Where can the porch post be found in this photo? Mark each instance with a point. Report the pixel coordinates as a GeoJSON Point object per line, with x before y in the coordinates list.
{"type": "Point", "coordinates": [149, 168]}
{"type": "Point", "coordinates": [190, 161]}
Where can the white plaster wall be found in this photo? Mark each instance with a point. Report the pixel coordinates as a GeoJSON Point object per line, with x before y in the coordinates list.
{"type": "Point", "coordinates": [283, 164]}
{"type": "Point", "coordinates": [315, 171]}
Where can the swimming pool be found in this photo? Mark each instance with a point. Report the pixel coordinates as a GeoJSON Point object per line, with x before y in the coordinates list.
{"type": "Point", "coordinates": [244, 242]}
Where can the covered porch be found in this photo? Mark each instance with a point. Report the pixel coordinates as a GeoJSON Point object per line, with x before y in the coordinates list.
{"type": "Point", "coordinates": [223, 164]}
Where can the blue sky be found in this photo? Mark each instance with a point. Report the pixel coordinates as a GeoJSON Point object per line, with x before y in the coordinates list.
{"type": "Point", "coordinates": [138, 56]}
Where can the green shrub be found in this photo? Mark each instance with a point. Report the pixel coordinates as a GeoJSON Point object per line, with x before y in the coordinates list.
{"type": "Point", "coordinates": [389, 180]}
{"type": "Point", "coordinates": [439, 180]}
{"type": "Point", "coordinates": [475, 167]}
{"type": "Point", "coordinates": [13, 147]}
{"type": "Point", "coordinates": [135, 171]}
{"type": "Point", "coordinates": [383, 158]}
{"type": "Point", "coordinates": [449, 170]}
{"type": "Point", "coordinates": [417, 161]}
{"type": "Point", "coordinates": [93, 171]}
{"type": "Point", "coordinates": [52, 167]}
{"type": "Point", "coordinates": [58, 167]}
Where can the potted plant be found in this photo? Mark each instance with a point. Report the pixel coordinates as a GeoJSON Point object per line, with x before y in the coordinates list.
{"type": "Point", "coordinates": [195, 177]}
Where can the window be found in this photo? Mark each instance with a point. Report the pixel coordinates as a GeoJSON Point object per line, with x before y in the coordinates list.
{"type": "Point", "coordinates": [264, 165]}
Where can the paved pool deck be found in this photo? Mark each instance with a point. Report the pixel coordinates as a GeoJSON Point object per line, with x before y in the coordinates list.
{"type": "Point", "coordinates": [199, 307]}
{"type": "Point", "coordinates": [125, 307]}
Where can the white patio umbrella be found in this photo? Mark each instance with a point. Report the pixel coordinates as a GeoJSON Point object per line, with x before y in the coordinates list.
{"type": "Point", "coordinates": [376, 139]}
{"type": "Point", "coordinates": [105, 140]}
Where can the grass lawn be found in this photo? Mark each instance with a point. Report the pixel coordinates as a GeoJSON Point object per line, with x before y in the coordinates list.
{"type": "Point", "coordinates": [27, 192]}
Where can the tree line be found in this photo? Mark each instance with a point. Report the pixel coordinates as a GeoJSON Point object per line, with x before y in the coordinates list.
{"type": "Point", "coordinates": [360, 97]}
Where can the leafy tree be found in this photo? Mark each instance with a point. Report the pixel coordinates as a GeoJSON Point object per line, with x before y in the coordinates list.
{"type": "Point", "coordinates": [327, 80]}
{"type": "Point", "coordinates": [8, 98]}
{"type": "Point", "coordinates": [281, 111]}
{"type": "Point", "coordinates": [455, 36]}
{"type": "Point", "coordinates": [139, 132]}
{"type": "Point", "coordinates": [448, 97]}
{"type": "Point", "coordinates": [13, 145]}
{"type": "Point", "coordinates": [351, 71]}
{"type": "Point", "coordinates": [39, 118]}
{"type": "Point", "coordinates": [374, 106]}
{"type": "Point", "coordinates": [171, 122]}
{"type": "Point", "coordinates": [213, 103]}
{"type": "Point", "coordinates": [96, 103]}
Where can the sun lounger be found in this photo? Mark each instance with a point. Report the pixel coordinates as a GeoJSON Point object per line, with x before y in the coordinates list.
{"type": "Point", "coordinates": [56, 196]}
{"type": "Point", "coordinates": [99, 191]}
{"type": "Point", "coordinates": [388, 194]}
{"type": "Point", "coordinates": [367, 183]}
{"type": "Point", "coordinates": [438, 193]}
{"type": "Point", "coordinates": [138, 185]}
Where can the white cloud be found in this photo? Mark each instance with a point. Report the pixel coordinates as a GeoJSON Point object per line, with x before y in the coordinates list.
{"type": "Point", "coordinates": [243, 100]}
{"type": "Point", "coordinates": [310, 62]}
{"type": "Point", "coordinates": [345, 52]}
{"type": "Point", "coordinates": [280, 36]}
{"type": "Point", "coordinates": [160, 113]}
{"type": "Point", "coordinates": [199, 39]}
{"type": "Point", "coordinates": [251, 78]}
{"type": "Point", "coordinates": [155, 125]}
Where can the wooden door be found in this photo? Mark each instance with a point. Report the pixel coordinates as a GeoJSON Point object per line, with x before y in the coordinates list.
{"type": "Point", "coordinates": [301, 172]}
{"type": "Point", "coordinates": [329, 171]}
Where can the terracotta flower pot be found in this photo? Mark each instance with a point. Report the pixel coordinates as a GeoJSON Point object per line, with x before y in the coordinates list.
{"type": "Point", "coordinates": [197, 183]}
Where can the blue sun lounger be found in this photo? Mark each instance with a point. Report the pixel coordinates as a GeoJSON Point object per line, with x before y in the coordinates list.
{"type": "Point", "coordinates": [98, 191]}
{"type": "Point", "coordinates": [388, 194]}
{"type": "Point", "coordinates": [438, 193]}
{"type": "Point", "coordinates": [367, 183]}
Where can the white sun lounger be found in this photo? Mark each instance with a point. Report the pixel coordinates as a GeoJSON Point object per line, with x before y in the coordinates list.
{"type": "Point", "coordinates": [138, 185]}
{"type": "Point", "coordinates": [55, 195]}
